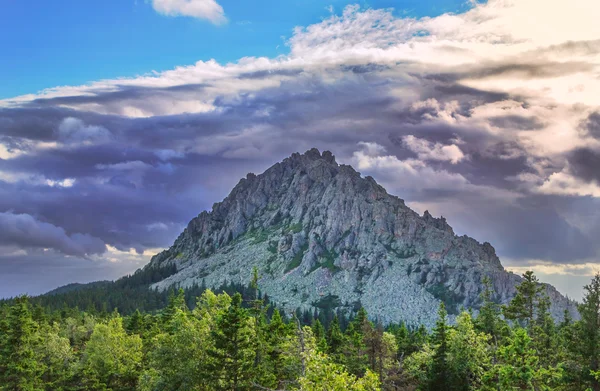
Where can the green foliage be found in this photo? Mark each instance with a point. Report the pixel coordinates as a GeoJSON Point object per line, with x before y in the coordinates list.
{"type": "Point", "coordinates": [522, 306]}
{"type": "Point", "coordinates": [238, 341]}
{"type": "Point", "coordinates": [439, 372]}
{"type": "Point", "coordinates": [232, 357]}
{"type": "Point", "coordinates": [19, 340]}
{"type": "Point", "coordinates": [112, 359]}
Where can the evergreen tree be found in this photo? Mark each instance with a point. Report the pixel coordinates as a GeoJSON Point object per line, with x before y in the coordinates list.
{"type": "Point", "coordinates": [354, 348]}
{"type": "Point", "coordinates": [439, 373]}
{"type": "Point", "coordinates": [589, 331]}
{"type": "Point", "coordinates": [135, 325]}
{"type": "Point", "coordinates": [234, 349]}
{"type": "Point", "coordinates": [544, 334]}
{"type": "Point", "coordinates": [488, 320]}
{"type": "Point", "coordinates": [522, 306]}
{"type": "Point", "coordinates": [19, 367]}
{"type": "Point", "coordinates": [176, 303]}
{"type": "Point", "coordinates": [276, 338]}
{"type": "Point", "coordinates": [519, 367]}
{"type": "Point", "coordinates": [319, 332]}
{"type": "Point", "coordinates": [335, 338]}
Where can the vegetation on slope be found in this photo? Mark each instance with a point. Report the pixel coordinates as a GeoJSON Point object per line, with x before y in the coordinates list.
{"type": "Point", "coordinates": [233, 341]}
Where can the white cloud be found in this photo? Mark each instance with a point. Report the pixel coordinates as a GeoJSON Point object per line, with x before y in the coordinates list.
{"type": "Point", "coordinates": [68, 182]}
{"type": "Point", "coordinates": [409, 173]}
{"type": "Point", "coordinates": [563, 183]}
{"type": "Point", "coordinates": [493, 47]}
{"type": "Point", "coordinates": [427, 150]}
{"type": "Point", "coordinates": [201, 9]}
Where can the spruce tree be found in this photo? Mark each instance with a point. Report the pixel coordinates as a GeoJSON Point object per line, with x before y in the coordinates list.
{"type": "Point", "coordinates": [354, 348]}
{"type": "Point", "coordinates": [135, 325]}
{"type": "Point", "coordinates": [335, 339]}
{"type": "Point", "coordinates": [544, 333]}
{"type": "Point", "coordinates": [19, 367]}
{"type": "Point", "coordinates": [234, 349]}
{"type": "Point", "coordinates": [522, 306]}
{"type": "Point", "coordinates": [439, 373]}
{"type": "Point", "coordinates": [488, 320]}
{"type": "Point", "coordinates": [589, 334]}
{"type": "Point", "coordinates": [319, 332]}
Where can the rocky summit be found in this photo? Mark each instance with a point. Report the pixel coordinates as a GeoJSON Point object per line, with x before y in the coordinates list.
{"type": "Point", "coordinates": [323, 236]}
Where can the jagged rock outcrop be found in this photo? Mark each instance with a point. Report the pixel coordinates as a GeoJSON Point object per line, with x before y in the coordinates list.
{"type": "Point", "coordinates": [323, 236]}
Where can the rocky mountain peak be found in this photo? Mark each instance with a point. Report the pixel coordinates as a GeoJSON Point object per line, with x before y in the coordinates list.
{"type": "Point", "coordinates": [322, 236]}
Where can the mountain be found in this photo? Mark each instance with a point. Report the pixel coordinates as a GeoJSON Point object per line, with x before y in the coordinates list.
{"type": "Point", "coordinates": [322, 236]}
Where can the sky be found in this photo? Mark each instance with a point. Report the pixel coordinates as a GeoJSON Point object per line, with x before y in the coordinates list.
{"type": "Point", "coordinates": [121, 120]}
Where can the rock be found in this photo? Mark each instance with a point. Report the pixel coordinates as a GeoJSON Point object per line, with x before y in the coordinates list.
{"type": "Point", "coordinates": [316, 229]}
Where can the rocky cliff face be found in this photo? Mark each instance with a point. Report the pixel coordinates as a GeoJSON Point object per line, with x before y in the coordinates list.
{"type": "Point", "coordinates": [323, 236]}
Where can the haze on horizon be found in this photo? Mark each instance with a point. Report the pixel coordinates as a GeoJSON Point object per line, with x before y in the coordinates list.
{"type": "Point", "coordinates": [121, 122]}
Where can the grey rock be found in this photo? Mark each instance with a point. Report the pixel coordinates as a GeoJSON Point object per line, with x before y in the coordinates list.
{"type": "Point", "coordinates": [321, 235]}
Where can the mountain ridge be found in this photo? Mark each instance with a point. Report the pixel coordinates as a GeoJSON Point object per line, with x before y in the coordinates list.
{"type": "Point", "coordinates": [322, 236]}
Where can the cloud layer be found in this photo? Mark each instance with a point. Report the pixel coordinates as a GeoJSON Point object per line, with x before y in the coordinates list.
{"type": "Point", "coordinates": [201, 9]}
{"type": "Point", "coordinates": [484, 117]}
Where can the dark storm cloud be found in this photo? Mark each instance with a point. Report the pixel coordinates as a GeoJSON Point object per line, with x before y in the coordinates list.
{"type": "Point", "coordinates": [593, 125]}
{"type": "Point", "coordinates": [139, 186]}
{"type": "Point", "coordinates": [25, 231]}
{"type": "Point", "coordinates": [118, 94]}
{"type": "Point", "coordinates": [585, 163]}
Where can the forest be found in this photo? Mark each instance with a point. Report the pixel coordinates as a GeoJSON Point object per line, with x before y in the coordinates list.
{"type": "Point", "coordinates": [238, 340]}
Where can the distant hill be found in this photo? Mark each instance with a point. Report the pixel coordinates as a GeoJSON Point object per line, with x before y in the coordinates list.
{"type": "Point", "coordinates": [77, 287]}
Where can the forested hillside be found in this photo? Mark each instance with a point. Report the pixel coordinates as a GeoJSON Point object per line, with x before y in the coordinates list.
{"type": "Point", "coordinates": [233, 341]}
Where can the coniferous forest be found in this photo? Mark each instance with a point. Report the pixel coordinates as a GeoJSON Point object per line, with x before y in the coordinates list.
{"type": "Point", "coordinates": [234, 339]}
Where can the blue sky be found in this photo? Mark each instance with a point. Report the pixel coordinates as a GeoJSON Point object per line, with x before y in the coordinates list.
{"type": "Point", "coordinates": [465, 109]}
{"type": "Point", "coordinates": [70, 42]}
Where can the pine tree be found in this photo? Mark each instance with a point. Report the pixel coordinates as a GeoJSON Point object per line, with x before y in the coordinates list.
{"type": "Point", "coordinates": [488, 320]}
{"type": "Point", "coordinates": [589, 335]}
{"type": "Point", "coordinates": [319, 332]}
{"type": "Point", "coordinates": [354, 348]}
{"type": "Point", "coordinates": [234, 349]}
{"type": "Point", "coordinates": [19, 367]}
{"type": "Point", "coordinates": [335, 339]}
{"type": "Point", "coordinates": [522, 306]}
{"type": "Point", "coordinates": [176, 302]}
{"type": "Point", "coordinates": [440, 371]}
{"type": "Point", "coordinates": [136, 323]}
{"type": "Point", "coordinates": [275, 338]}
{"type": "Point", "coordinates": [544, 333]}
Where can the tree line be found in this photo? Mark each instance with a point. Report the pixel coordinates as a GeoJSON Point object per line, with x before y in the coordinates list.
{"type": "Point", "coordinates": [237, 341]}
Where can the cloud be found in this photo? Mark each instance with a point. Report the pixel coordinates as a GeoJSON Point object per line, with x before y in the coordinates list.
{"type": "Point", "coordinates": [201, 9]}
{"type": "Point", "coordinates": [414, 173]}
{"type": "Point", "coordinates": [480, 116]}
{"type": "Point", "coordinates": [24, 230]}
{"type": "Point", "coordinates": [72, 130]}
{"type": "Point", "coordinates": [426, 150]}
